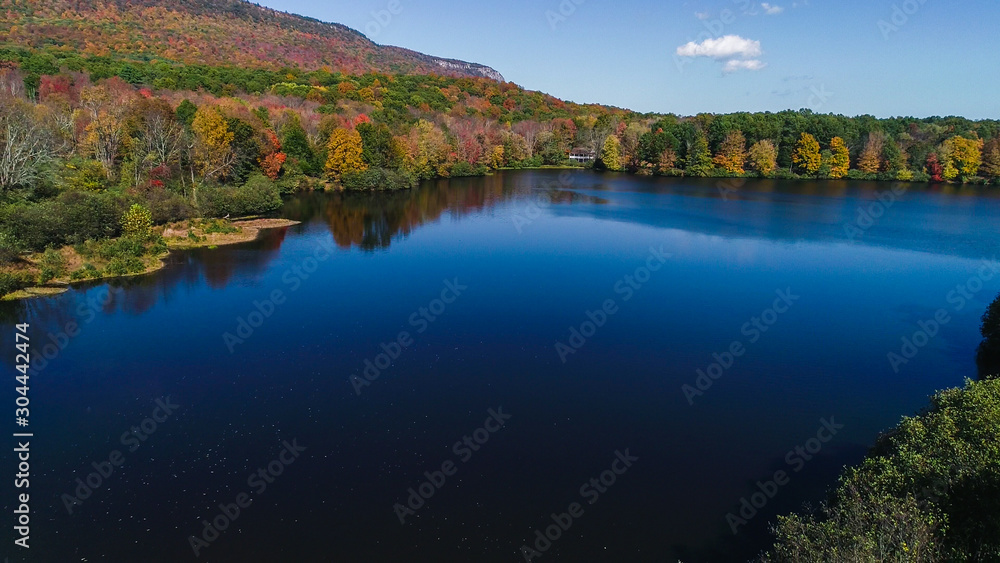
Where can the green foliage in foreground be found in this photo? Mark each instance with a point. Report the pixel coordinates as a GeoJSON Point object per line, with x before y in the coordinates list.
{"type": "Point", "coordinates": [928, 491]}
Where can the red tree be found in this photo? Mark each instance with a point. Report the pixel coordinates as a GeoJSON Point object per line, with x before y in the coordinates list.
{"type": "Point", "coordinates": [934, 168]}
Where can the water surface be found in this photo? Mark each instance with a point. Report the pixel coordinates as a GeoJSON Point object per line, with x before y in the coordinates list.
{"type": "Point", "coordinates": [531, 253]}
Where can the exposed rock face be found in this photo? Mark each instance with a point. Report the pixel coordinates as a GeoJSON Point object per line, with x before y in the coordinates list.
{"type": "Point", "coordinates": [462, 67]}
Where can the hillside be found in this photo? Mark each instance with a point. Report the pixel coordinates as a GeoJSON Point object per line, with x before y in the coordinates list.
{"type": "Point", "coordinates": [213, 32]}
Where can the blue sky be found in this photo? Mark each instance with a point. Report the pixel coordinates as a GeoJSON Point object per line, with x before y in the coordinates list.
{"type": "Point", "coordinates": [881, 57]}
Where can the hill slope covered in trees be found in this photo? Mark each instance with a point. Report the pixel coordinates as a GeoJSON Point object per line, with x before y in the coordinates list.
{"type": "Point", "coordinates": [212, 32]}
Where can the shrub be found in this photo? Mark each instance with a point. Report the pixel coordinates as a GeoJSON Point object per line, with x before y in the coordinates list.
{"type": "Point", "coordinates": [53, 265]}
{"type": "Point", "coordinates": [462, 169]}
{"type": "Point", "coordinates": [258, 196]}
{"type": "Point", "coordinates": [378, 179]}
{"type": "Point", "coordinates": [137, 222]}
{"type": "Point", "coordinates": [164, 205]}
{"type": "Point", "coordinates": [125, 265]}
{"type": "Point", "coordinates": [125, 247]}
{"type": "Point", "coordinates": [86, 272]}
{"type": "Point", "coordinates": [14, 281]}
{"type": "Point", "coordinates": [73, 217]}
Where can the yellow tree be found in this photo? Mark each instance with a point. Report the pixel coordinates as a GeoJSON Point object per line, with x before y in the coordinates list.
{"type": "Point", "coordinates": [213, 152]}
{"type": "Point", "coordinates": [806, 155]}
{"type": "Point", "coordinates": [965, 155]}
{"type": "Point", "coordinates": [344, 154]}
{"type": "Point", "coordinates": [611, 153]}
{"type": "Point", "coordinates": [497, 158]}
{"type": "Point", "coordinates": [870, 160]}
{"type": "Point", "coordinates": [764, 157]}
{"type": "Point", "coordinates": [840, 161]}
{"type": "Point", "coordinates": [732, 153]}
{"type": "Point", "coordinates": [429, 151]}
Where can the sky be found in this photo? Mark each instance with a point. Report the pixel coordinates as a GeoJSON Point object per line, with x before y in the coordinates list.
{"type": "Point", "coordinates": [880, 57]}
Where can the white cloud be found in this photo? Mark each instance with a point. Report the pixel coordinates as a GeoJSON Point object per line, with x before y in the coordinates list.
{"type": "Point", "coordinates": [702, 15]}
{"type": "Point", "coordinates": [722, 48]}
{"type": "Point", "coordinates": [736, 64]}
{"type": "Point", "coordinates": [771, 9]}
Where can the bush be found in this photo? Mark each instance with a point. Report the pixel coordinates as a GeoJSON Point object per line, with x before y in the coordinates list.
{"type": "Point", "coordinates": [928, 491]}
{"type": "Point", "coordinates": [86, 272]}
{"type": "Point", "coordinates": [125, 247]}
{"type": "Point", "coordinates": [124, 266]}
{"type": "Point", "coordinates": [53, 265]}
{"type": "Point", "coordinates": [378, 179]}
{"type": "Point", "coordinates": [14, 281]}
{"type": "Point", "coordinates": [461, 169]}
{"type": "Point", "coordinates": [73, 217]}
{"type": "Point", "coordinates": [164, 205]}
{"type": "Point", "coordinates": [258, 196]}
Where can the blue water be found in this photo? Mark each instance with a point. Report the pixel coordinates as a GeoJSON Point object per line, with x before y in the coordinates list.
{"type": "Point", "coordinates": [528, 255]}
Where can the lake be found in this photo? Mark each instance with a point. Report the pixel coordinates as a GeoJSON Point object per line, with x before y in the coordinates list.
{"type": "Point", "coordinates": [636, 367]}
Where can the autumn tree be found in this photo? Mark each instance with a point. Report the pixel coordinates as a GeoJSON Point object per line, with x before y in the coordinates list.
{"type": "Point", "coordinates": [497, 157]}
{"type": "Point", "coordinates": [991, 159]}
{"type": "Point", "coordinates": [667, 161]}
{"type": "Point", "coordinates": [610, 157]}
{"type": "Point", "coordinates": [870, 159]}
{"type": "Point", "coordinates": [807, 156]}
{"type": "Point", "coordinates": [344, 152]}
{"type": "Point", "coordinates": [732, 153]}
{"type": "Point", "coordinates": [213, 152]}
{"type": "Point", "coordinates": [699, 158]}
{"type": "Point", "coordinates": [763, 156]}
{"type": "Point", "coordinates": [274, 159]}
{"type": "Point", "coordinates": [154, 139]}
{"type": "Point", "coordinates": [107, 105]}
{"type": "Point", "coordinates": [840, 159]}
{"type": "Point", "coordinates": [934, 168]}
{"type": "Point", "coordinates": [429, 150]}
{"type": "Point", "coordinates": [965, 156]}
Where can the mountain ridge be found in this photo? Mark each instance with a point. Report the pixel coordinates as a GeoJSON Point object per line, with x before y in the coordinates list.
{"type": "Point", "coordinates": [215, 32]}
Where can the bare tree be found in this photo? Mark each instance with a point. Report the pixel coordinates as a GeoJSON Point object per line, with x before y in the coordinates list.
{"type": "Point", "coordinates": [25, 144]}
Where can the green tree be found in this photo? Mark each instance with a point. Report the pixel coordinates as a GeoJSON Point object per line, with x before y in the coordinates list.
{"type": "Point", "coordinates": [295, 143]}
{"type": "Point", "coordinates": [186, 112]}
{"type": "Point", "coordinates": [379, 148]}
{"type": "Point", "coordinates": [699, 158]}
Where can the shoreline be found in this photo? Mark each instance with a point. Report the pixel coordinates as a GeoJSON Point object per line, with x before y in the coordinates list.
{"type": "Point", "coordinates": [182, 235]}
